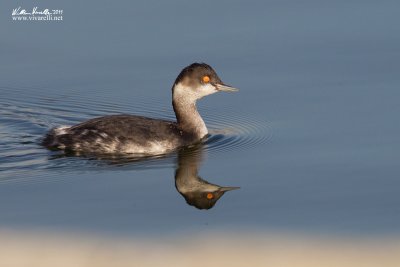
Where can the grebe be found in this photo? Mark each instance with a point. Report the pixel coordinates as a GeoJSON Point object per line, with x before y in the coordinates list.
{"type": "Point", "coordinates": [141, 135]}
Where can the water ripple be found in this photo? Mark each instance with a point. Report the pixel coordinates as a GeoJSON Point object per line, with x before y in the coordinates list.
{"type": "Point", "coordinates": [25, 119]}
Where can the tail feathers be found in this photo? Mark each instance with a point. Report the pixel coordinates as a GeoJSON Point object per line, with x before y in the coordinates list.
{"type": "Point", "coordinates": [52, 138]}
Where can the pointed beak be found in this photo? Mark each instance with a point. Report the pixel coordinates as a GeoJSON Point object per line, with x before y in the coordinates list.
{"type": "Point", "coordinates": [228, 188]}
{"type": "Point", "coordinates": [225, 88]}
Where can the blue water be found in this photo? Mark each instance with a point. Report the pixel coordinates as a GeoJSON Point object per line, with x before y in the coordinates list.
{"type": "Point", "coordinates": [312, 137]}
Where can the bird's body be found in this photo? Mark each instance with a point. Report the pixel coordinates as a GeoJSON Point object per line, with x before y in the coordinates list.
{"type": "Point", "coordinates": [120, 134]}
{"type": "Point", "coordinates": [141, 135]}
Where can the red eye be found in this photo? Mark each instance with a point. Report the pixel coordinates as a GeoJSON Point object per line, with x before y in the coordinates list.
{"type": "Point", "coordinates": [206, 79]}
{"type": "Point", "coordinates": [210, 196]}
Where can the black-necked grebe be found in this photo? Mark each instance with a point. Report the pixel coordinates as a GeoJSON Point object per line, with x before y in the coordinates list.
{"type": "Point", "coordinates": [141, 135]}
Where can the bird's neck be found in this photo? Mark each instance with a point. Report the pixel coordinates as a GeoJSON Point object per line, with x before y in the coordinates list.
{"type": "Point", "coordinates": [187, 116]}
{"type": "Point", "coordinates": [187, 178]}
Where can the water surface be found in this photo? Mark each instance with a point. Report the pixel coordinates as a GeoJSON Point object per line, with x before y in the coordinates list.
{"type": "Point", "coordinates": [311, 139]}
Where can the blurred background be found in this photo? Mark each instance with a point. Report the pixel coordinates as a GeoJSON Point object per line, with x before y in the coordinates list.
{"type": "Point", "coordinates": [311, 138]}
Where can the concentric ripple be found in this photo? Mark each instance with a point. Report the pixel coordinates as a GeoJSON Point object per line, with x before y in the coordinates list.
{"type": "Point", "coordinates": [26, 114]}
{"type": "Point", "coordinates": [238, 131]}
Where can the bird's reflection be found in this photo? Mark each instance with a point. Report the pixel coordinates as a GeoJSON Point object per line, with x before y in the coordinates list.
{"type": "Point", "coordinates": [196, 191]}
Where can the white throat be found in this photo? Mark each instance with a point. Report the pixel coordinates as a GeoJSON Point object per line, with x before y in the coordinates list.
{"type": "Point", "coordinates": [188, 118]}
